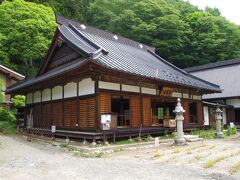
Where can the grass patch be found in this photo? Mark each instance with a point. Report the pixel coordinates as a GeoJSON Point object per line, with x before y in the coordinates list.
{"type": "Point", "coordinates": [197, 158]}
{"type": "Point", "coordinates": [189, 152]}
{"type": "Point", "coordinates": [157, 155]}
{"type": "Point", "coordinates": [176, 151]}
{"type": "Point", "coordinates": [212, 162]}
{"type": "Point", "coordinates": [207, 134]}
{"type": "Point", "coordinates": [117, 149]}
{"type": "Point", "coordinates": [235, 168]}
{"type": "Point", "coordinates": [132, 141]}
{"type": "Point", "coordinates": [224, 149]}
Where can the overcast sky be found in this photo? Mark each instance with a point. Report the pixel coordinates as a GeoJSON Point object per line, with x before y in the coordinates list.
{"type": "Point", "coordinates": [229, 8]}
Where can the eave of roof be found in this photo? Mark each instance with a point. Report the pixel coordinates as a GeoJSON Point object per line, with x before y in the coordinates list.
{"type": "Point", "coordinates": [13, 73]}
{"type": "Point", "coordinates": [213, 65]}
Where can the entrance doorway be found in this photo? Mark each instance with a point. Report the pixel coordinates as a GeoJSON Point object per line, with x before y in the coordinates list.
{"type": "Point", "coordinates": [121, 106]}
{"type": "Point", "coordinates": [162, 111]}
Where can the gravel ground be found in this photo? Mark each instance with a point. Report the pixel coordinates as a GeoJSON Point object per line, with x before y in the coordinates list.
{"type": "Point", "coordinates": [20, 159]}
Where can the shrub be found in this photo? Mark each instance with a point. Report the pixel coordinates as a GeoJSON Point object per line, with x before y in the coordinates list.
{"type": "Point", "coordinates": [231, 131]}
{"type": "Point", "coordinates": [7, 121]}
{"type": "Point", "coordinates": [6, 115]}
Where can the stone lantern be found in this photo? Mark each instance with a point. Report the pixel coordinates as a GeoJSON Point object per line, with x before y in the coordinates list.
{"type": "Point", "coordinates": [179, 119]}
{"type": "Point", "coordinates": [218, 117]}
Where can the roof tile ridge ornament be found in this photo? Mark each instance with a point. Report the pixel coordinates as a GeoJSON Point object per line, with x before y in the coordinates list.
{"type": "Point", "coordinates": [79, 33]}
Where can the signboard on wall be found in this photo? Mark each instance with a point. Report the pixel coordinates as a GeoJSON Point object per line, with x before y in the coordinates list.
{"type": "Point", "coordinates": [166, 91]}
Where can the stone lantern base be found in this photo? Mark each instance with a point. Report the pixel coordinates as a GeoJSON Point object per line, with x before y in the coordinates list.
{"type": "Point", "coordinates": [180, 142]}
{"type": "Point", "coordinates": [219, 135]}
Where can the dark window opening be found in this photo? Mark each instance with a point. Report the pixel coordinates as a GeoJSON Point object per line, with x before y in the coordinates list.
{"type": "Point", "coordinates": [193, 112]}
{"type": "Point", "coordinates": [162, 111]}
{"type": "Point", "coordinates": [121, 106]}
{"type": "Point", "coordinates": [237, 115]}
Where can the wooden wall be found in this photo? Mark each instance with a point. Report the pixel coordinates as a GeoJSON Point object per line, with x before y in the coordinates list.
{"type": "Point", "coordinates": [200, 116]}
{"type": "Point", "coordinates": [71, 113]}
{"type": "Point", "coordinates": [135, 111]}
{"type": "Point", "coordinates": [146, 108]}
{"type": "Point", "coordinates": [87, 113]}
{"type": "Point", "coordinates": [57, 117]}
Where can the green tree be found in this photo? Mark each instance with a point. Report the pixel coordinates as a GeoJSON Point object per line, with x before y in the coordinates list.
{"type": "Point", "coordinates": [26, 30]}
{"type": "Point", "coordinates": [18, 101]}
{"type": "Point", "coordinates": [213, 38]}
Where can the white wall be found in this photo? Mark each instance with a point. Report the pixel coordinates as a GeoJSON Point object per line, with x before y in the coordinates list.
{"type": "Point", "coordinates": [186, 96]}
{"type": "Point", "coordinates": [108, 85]}
{"type": "Point", "coordinates": [177, 94]}
{"type": "Point", "coordinates": [196, 97]}
{"type": "Point", "coordinates": [37, 97]}
{"type": "Point", "coordinates": [29, 99]}
{"type": "Point", "coordinates": [130, 88]}
{"type": "Point", "coordinates": [224, 116]}
{"type": "Point", "coordinates": [206, 115]}
{"type": "Point", "coordinates": [233, 102]}
{"type": "Point", "coordinates": [70, 90]}
{"type": "Point", "coordinates": [57, 92]}
{"type": "Point", "coordinates": [46, 95]}
{"type": "Point", "coordinates": [86, 86]}
{"type": "Point", "coordinates": [148, 91]}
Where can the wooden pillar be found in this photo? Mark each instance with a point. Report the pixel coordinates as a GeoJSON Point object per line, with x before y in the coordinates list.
{"type": "Point", "coordinates": [63, 106]}
{"type": "Point", "coordinates": [97, 117]}
{"type": "Point", "coordinates": [51, 108]}
{"type": "Point", "coordinates": [78, 106]}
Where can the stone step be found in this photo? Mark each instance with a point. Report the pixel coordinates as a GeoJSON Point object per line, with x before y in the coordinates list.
{"type": "Point", "coordinates": [192, 138]}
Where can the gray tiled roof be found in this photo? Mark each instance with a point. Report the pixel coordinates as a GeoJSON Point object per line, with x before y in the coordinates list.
{"type": "Point", "coordinates": [213, 65]}
{"type": "Point", "coordinates": [121, 54]}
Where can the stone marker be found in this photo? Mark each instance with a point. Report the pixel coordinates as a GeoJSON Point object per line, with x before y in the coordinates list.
{"type": "Point", "coordinates": [180, 140]}
{"type": "Point", "coordinates": [218, 117]}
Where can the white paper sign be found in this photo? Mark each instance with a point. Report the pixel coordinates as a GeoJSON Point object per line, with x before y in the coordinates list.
{"type": "Point", "coordinates": [232, 125]}
{"type": "Point", "coordinates": [105, 118]}
{"type": "Point", "coordinates": [156, 141]}
{"type": "Point", "coordinates": [53, 129]}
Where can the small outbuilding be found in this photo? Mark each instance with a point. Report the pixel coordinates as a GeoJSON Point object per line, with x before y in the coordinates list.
{"type": "Point", "coordinates": [226, 74]}
{"type": "Point", "coordinates": [90, 75]}
{"type": "Point", "coordinates": [8, 77]}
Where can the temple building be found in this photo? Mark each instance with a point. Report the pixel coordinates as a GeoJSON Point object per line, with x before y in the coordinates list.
{"type": "Point", "coordinates": [89, 72]}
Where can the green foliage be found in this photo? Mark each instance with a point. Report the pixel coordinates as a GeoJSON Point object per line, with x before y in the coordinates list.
{"type": "Point", "coordinates": [7, 121]}
{"type": "Point", "coordinates": [26, 30]}
{"type": "Point", "coordinates": [18, 101]}
{"type": "Point", "coordinates": [181, 33]}
{"type": "Point", "coordinates": [231, 131]}
{"type": "Point", "coordinates": [7, 115]}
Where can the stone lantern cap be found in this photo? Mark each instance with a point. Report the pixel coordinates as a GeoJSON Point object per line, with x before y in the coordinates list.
{"type": "Point", "coordinates": [179, 108]}
{"type": "Point", "coordinates": [218, 110]}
